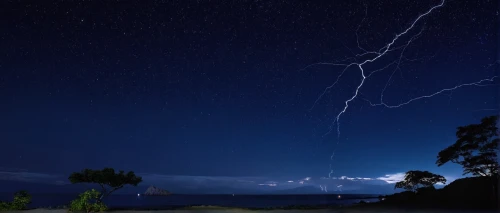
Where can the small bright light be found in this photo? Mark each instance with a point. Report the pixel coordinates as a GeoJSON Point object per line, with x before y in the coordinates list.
{"type": "Point", "coordinates": [339, 196]}
{"type": "Point", "coordinates": [138, 194]}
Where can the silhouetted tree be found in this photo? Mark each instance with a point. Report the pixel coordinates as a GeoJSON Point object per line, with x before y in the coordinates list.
{"type": "Point", "coordinates": [416, 179]}
{"type": "Point", "coordinates": [475, 149]}
{"type": "Point", "coordinates": [105, 177]}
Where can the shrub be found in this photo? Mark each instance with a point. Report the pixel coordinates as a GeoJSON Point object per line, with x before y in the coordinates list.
{"type": "Point", "coordinates": [88, 202]}
{"type": "Point", "coordinates": [4, 206]}
{"type": "Point", "coordinates": [20, 202]}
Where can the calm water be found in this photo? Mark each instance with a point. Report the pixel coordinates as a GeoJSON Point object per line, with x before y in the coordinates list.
{"type": "Point", "coordinates": [258, 201]}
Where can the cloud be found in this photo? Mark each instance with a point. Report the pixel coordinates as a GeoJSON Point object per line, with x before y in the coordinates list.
{"type": "Point", "coordinates": [352, 178]}
{"type": "Point", "coordinates": [258, 183]}
{"type": "Point", "coordinates": [268, 184]}
{"type": "Point", "coordinates": [25, 176]}
{"type": "Point", "coordinates": [393, 178]}
{"type": "Point", "coordinates": [192, 184]}
{"type": "Point", "coordinates": [157, 178]}
{"type": "Point", "coordinates": [15, 174]}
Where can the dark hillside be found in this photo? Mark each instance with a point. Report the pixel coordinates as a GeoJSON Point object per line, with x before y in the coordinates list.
{"type": "Point", "coordinates": [466, 193]}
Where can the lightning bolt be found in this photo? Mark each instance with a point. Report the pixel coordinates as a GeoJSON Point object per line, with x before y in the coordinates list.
{"type": "Point", "coordinates": [375, 56]}
{"type": "Point", "coordinates": [339, 187]}
{"type": "Point", "coordinates": [477, 83]}
{"type": "Point", "coordinates": [323, 189]}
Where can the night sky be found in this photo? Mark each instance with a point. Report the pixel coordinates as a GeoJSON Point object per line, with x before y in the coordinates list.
{"type": "Point", "coordinates": [226, 89]}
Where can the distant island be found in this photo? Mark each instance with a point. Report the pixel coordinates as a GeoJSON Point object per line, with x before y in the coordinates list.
{"type": "Point", "coordinates": [154, 191]}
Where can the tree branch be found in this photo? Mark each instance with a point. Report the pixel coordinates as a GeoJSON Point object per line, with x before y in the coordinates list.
{"type": "Point", "coordinates": [114, 189]}
{"type": "Point", "coordinates": [103, 188]}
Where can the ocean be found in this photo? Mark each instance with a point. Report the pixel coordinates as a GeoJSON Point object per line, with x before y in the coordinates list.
{"type": "Point", "coordinates": [248, 201]}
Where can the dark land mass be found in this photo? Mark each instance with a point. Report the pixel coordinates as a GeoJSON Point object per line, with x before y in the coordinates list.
{"type": "Point", "coordinates": [474, 193]}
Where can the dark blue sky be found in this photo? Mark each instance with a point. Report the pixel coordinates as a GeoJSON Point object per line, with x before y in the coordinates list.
{"type": "Point", "coordinates": [212, 88]}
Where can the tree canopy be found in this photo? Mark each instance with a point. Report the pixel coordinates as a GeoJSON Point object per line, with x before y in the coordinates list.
{"type": "Point", "coordinates": [106, 177]}
{"type": "Point", "coordinates": [475, 149]}
{"type": "Point", "coordinates": [416, 179]}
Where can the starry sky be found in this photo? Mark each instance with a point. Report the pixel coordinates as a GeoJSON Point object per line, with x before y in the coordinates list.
{"type": "Point", "coordinates": [229, 89]}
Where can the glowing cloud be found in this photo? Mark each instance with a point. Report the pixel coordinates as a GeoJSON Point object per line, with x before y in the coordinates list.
{"type": "Point", "coordinates": [393, 178]}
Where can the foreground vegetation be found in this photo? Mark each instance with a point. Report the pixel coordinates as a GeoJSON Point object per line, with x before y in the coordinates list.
{"type": "Point", "coordinates": [20, 202]}
{"type": "Point", "coordinates": [88, 201]}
